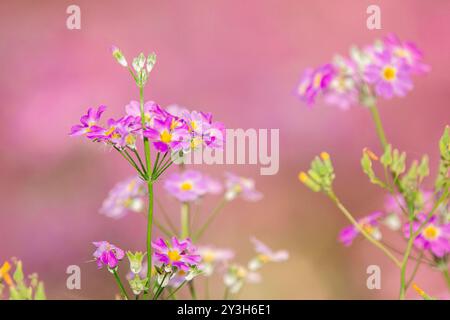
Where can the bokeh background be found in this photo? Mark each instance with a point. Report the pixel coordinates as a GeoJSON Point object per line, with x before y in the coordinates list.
{"type": "Point", "coordinates": [240, 60]}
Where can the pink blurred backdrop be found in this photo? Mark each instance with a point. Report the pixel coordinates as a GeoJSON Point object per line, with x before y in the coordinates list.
{"type": "Point", "coordinates": [239, 60]}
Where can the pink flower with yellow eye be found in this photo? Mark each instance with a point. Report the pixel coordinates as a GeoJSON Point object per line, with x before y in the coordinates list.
{"type": "Point", "coordinates": [180, 254]}
{"type": "Point", "coordinates": [88, 121]}
{"type": "Point", "coordinates": [389, 76]}
{"type": "Point", "coordinates": [434, 236]}
{"type": "Point", "coordinates": [314, 81]}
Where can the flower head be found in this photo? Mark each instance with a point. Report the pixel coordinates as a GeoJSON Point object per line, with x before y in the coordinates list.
{"type": "Point", "coordinates": [236, 276]}
{"type": "Point", "coordinates": [167, 136]}
{"type": "Point", "coordinates": [240, 186]}
{"type": "Point", "coordinates": [177, 254]}
{"type": "Point", "coordinates": [125, 196]}
{"type": "Point", "coordinates": [314, 81]}
{"type": "Point", "coordinates": [190, 185]}
{"type": "Point", "coordinates": [88, 121]}
{"type": "Point", "coordinates": [389, 76]}
{"type": "Point", "coordinates": [214, 257]}
{"type": "Point", "coordinates": [107, 254]}
{"type": "Point", "coordinates": [434, 236]}
{"type": "Point", "coordinates": [265, 255]}
{"type": "Point", "coordinates": [369, 224]}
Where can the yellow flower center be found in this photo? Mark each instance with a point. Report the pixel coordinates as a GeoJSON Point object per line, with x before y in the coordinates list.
{"type": "Point", "coordinates": [389, 73]}
{"type": "Point", "coordinates": [241, 273]}
{"type": "Point", "coordinates": [166, 136]}
{"type": "Point", "coordinates": [115, 135]}
{"type": "Point", "coordinates": [196, 142]}
{"type": "Point", "coordinates": [430, 232]}
{"type": "Point", "coordinates": [147, 117]}
{"type": "Point", "coordinates": [174, 255]}
{"type": "Point", "coordinates": [367, 228]}
{"type": "Point", "coordinates": [130, 139]}
{"type": "Point", "coordinates": [263, 258]}
{"type": "Point", "coordinates": [173, 124]}
{"type": "Point", "coordinates": [209, 257]}
{"type": "Point", "coordinates": [110, 130]}
{"type": "Point", "coordinates": [186, 186]}
{"type": "Point", "coordinates": [194, 125]}
{"type": "Point", "coordinates": [317, 80]}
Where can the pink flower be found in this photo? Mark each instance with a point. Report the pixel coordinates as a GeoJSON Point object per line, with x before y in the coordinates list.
{"type": "Point", "coordinates": [190, 185]}
{"type": "Point", "coordinates": [179, 254]}
{"type": "Point", "coordinates": [242, 187]}
{"type": "Point", "coordinates": [166, 136]}
{"type": "Point", "coordinates": [125, 196]}
{"type": "Point", "coordinates": [408, 52]}
{"type": "Point", "coordinates": [389, 76]}
{"type": "Point", "coordinates": [314, 81]}
{"type": "Point", "coordinates": [435, 236]}
{"type": "Point", "coordinates": [265, 255]}
{"type": "Point", "coordinates": [107, 254]}
{"type": "Point", "coordinates": [88, 121]}
{"type": "Point", "coordinates": [368, 223]}
{"type": "Point", "coordinates": [152, 111]}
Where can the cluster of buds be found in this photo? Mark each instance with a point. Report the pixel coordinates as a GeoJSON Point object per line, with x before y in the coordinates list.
{"type": "Point", "coordinates": [321, 174]}
{"type": "Point", "coordinates": [443, 179]}
{"type": "Point", "coordinates": [142, 65]}
{"type": "Point", "coordinates": [137, 283]}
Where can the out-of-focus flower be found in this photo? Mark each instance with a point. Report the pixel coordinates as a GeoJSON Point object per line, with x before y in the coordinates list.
{"type": "Point", "coordinates": [236, 276]}
{"type": "Point", "coordinates": [213, 257]}
{"type": "Point", "coordinates": [107, 254]}
{"type": "Point", "coordinates": [389, 76]}
{"type": "Point", "coordinates": [396, 203]}
{"type": "Point", "coordinates": [314, 81]}
{"type": "Point", "coordinates": [265, 255]}
{"type": "Point", "coordinates": [88, 121]}
{"type": "Point", "coordinates": [190, 185]}
{"type": "Point", "coordinates": [408, 52]}
{"type": "Point", "coordinates": [177, 254]}
{"type": "Point", "coordinates": [4, 274]}
{"type": "Point", "coordinates": [135, 261]}
{"type": "Point", "coordinates": [434, 235]}
{"type": "Point", "coordinates": [125, 196]}
{"type": "Point", "coordinates": [343, 88]}
{"type": "Point", "coordinates": [242, 187]}
{"type": "Point", "coordinates": [369, 224]}
{"type": "Point", "coordinates": [181, 276]}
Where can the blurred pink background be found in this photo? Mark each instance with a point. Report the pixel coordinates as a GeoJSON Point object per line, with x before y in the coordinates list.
{"type": "Point", "coordinates": [239, 60]}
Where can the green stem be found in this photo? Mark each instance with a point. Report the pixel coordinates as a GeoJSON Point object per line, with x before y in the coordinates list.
{"type": "Point", "coordinates": [416, 268]}
{"type": "Point", "coordinates": [184, 220]}
{"type": "Point", "coordinates": [120, 285]}
{"type": "Point", "coordinates": [378, 126]}
{"type": "Point", "coordinates": [160, 288]}
{"type": "Point", "coordinates": [447, 277]}
{"type": "Point", "coordinates": [192, 290]}
{"type": "Point", "coordinates": [166, 217]}
{"type": "Point", "coordinates": [140, 160]}
{"type": "Point", "coordinates": [148, 162]}
{"type": "Point", "coordinates": [375, 242]}
{"type": "Point", "coordinates": [176, 290]}
{"type": "Point", "coordinates": [405, 262]}
{"type": "Point", "coordinates": [210, 219]}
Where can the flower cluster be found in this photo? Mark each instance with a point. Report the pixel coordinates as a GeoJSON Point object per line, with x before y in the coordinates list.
{"type": "Point", "coordinates": [190, 130]}
{"type": "Point", "coordinates": [381, 70]}
{"type": "Point", "coordinates": [125, 196]}
{"type": "Point", "coordinates": [241, 187]}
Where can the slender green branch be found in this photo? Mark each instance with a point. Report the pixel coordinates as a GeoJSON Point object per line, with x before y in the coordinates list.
{"type": "Point", "coordinates": [184, 220]}
{"type": "Point", "coordinates": [119, 284]}
{"type": "Point", "coordinates": [192, 290]}
{"type": "Point", "coordinates": [166, 217]}
{"type": "Point", "coordinates": [176, 290]}
{"type": "Point", "coordinates": [140, 161]}
{"type": "Point", "coordinates": [378, 126]}
{"type": "Point", "coordinates": [405, 262]}
{"type": "Point", "coordinates": [416, 268]}
{"type": "Point", "coordinates": [210, 219]}
{"type": "Point", "coordinates": [375, 242]}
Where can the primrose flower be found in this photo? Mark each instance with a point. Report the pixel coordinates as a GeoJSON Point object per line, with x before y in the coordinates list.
{"type": "Point", "coordinates": [107, 254]}
{"type": "Point", "coordinates": [4, 274]}
{"type": "Point", "coordinates": [152, 111]}
{"type": "Point", "coordinates": [368, 224]}
{"type": "Point", "coordinates": [408, 52]}
{"type": "Point", "coordinates": [181, 276]}
{"type": "Point", "coordinates": [236, 276]}
{"type": "Point", "coordinates": [242, 187]}
{"type": "Point", "coordinates": [389, 76]}
{"type": "Point", "coordinates": [124, 197]}
{"type": "Point", "coordinates": [166, 137]}
{"type": "Point", "coordinates": [190, 185]}
{"type": "Point", "coordinates": [213, 257]}
{"type": "Point", "coordinates": [180, 255]}
{"type": "Point", "coordinates": [88, 121]}
{"type": "Point", "coordinates": [343, 88]}
{"type": "Point", "coordinates": [314, 81]}
{"type": "Point", "coordinates": [434, 235]}
{"type": "Point", "coordinates": [265, 255]}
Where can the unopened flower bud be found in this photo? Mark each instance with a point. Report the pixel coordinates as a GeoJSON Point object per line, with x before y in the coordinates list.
{"type": "Point", "coordinates": [119, 56]}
